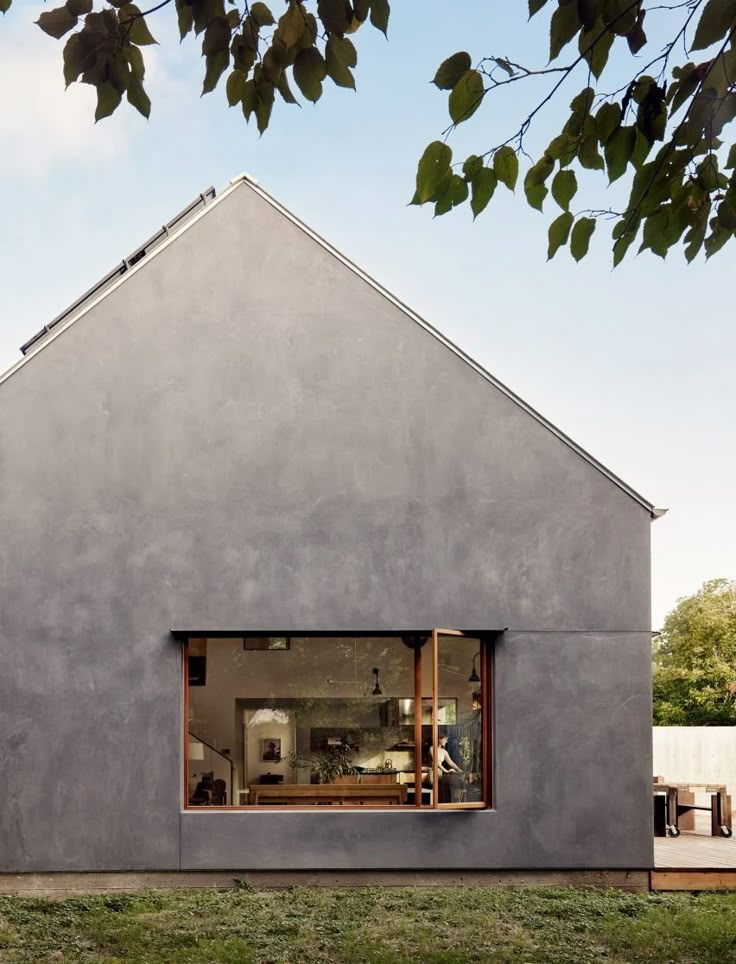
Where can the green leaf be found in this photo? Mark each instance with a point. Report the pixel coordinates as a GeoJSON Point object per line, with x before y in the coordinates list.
{"type": "Point", "coordinates": [217, 64]}
{"type": "Point", "coordinates": [5, 6]}
{"type": "Point", "coordinates": [621, 246]}
{"type": "Point", "coordinates": [707, 172]}
{"type": "Point", "coordinates": [57, 22]}
{"type": "Point", "coordinates": [264, 104]}
{"type": "Point", "coordinates": [340, 57]}
{"type": "Point", "coordinates": [562, 148]}
{"type": "Point", "coordinates": [134, 22]}
{"type": "Point", "coordinates": [540, 171]}
{"type": "Point", "coordinates": [589, 11]}
{"type": "Point", "coordinates": [618, 150]}
{"type": "Point", "coordinates": [535, 195]}
{"type": "Point", "coordinates": [78, 8]}
{"type": "Point", "coordinates": [472, 166]}
{"type": "Point", "coordinates": [138, 98]}
{"type": "Point", "coordinates": [451, 70]}
{"type": "Point", "coordinates": [620, 15]}
{"type": "Point", "coordinates": [535, 6]}
{"type": "Point", "coordinates": [595, 46]}
{"type": "Point", "coordinates": [336, 15]}
{"type": "Point", "coordinates": [292, 26]}
{"type": "Point", "coordinates": [582, 232]}
{"type": "Point", "coordinates": [655, 232]}
{"type": "Point", "coordinates": [636, 38]}
{"type": "Point", "coordinates": [564, 186]}
{"type": "Point", "coordinates": [563, 27]}
{"type": "Point", "coordinates": [216, 37]}
{"type": "Point", "coordinates": [433, 168]}
{"type": "Point", "coordinates": [362, 9]}
{"type": "Point", "coordinates": [582, 102]}
{"type": "Point", "coordinates": [559, 232]}
{"type": "Point", "coordinates": [74, 59]}
{"type": "Point", "coordinates": [380, 12]}
{"type": "Point", "coordinates": [108, 100]}
{"type": "Point", "coordinates": [588, 153]}
{"type": "Point", "coordinates": [607, 120]}
{"type": "Point", "coordinates": [482, 186]}
{"type": "Point", "coordinates": [283, 88]}
{"type": "Point", "coordinates": [715, 241]}
{"type": "Point", "coordinates": [466, 96]}
{"type": "Point", "coordinates": [727, 211]}
{"type": "Point", "coordinates": [261, 14]}
{"type": "Point", "coordinates": [185, 18]}
{"type": "Point", "coordinates": [235, 87]}
{"type": "Point", "coordinates": [135, 59]}
{"type": "Point", "coordinates": [250, 98]}
{"type": "Point", "coordinates": [696, 235]}
{"type": "Point", "coordinates": [715, 22]}
{"type": "Point", "coordinates": [310, 70]}
{"type": "Point", "coordinates": [455, 193]}
{"type": "Point", "coordinates": [506, 166]}
{"type": "Point", "coordinates": [731, 162]}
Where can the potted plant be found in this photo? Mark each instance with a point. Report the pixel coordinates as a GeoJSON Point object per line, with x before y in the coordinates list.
{"type": "Point", "coordinates": [333, 765]}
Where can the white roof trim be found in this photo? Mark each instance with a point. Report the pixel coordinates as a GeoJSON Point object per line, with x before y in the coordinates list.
{"type": "Point", "coordinates": [254, 186]}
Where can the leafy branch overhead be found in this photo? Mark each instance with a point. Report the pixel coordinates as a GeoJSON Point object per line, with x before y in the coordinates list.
{"type": "Point", "coordinates": [661, 133]}
{"type": "Point", "coordinates": [663, 128]}
{"type": "Point", "coordinates": [259, 52]}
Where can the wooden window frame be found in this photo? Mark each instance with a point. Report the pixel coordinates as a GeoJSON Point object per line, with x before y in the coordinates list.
{"type": "Point", "coordinates": [487, 682]}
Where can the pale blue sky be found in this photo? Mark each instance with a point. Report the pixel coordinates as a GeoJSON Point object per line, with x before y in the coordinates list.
{"type": "Point", "coordinates": [636, 365]}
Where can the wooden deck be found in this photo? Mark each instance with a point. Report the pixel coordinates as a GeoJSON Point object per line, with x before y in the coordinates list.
{"type": "Point", "coordinates": [694, 861]}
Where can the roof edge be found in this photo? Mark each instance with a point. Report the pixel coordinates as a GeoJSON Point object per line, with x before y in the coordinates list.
{"type": "Point", "coordinates": [578, 449]}
{"type": "Point", "coordinates": [50, 333]}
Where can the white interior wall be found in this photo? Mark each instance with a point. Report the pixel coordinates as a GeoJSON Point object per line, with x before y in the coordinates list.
{"type": "Point", "coordinates": [253, 741]}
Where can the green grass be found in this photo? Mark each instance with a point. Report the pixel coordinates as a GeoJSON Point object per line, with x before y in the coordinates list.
{"type": "Point", "coordinates": [381, 925]}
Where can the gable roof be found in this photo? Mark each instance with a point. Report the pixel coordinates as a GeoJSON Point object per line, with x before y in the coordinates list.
{"type": "Point", "coordinates": [199, 208]}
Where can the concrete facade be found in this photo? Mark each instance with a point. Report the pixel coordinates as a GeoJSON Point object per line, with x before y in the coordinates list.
{"type": "Point", "coordinates": [245, 434]}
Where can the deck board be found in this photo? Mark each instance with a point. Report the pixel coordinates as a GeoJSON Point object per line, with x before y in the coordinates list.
{"type": "Point", "coordinates": [695, 851]}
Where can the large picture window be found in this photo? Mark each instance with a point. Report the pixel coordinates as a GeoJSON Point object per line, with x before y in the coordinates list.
{"type": "Point", "coordinates": [338, 721]}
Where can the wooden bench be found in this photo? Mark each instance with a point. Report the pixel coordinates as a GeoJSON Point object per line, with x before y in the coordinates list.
{"type": "Point", "coordinates": [327, 794]}
{"type": "Point", "coordinates": [675, 800]}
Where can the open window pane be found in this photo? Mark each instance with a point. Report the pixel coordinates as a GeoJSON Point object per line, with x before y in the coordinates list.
{"type": "Point", "coordinates": [459, 751]}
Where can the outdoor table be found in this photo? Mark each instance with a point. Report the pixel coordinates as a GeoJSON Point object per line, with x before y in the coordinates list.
{"type": "Point", "coordinates": [720, 807]}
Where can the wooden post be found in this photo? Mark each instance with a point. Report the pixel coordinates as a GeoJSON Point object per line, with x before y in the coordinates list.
{"type": "Point", "coordinates": [418, 726]}
{"type": "Point", "coordinates": [435, 720]}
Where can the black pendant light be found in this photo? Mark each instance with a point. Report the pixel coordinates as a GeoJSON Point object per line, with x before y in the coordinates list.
{"type": "Point", "coordinates": [376, 687]}
{"type": "Point", "coordinates": [474, 678]}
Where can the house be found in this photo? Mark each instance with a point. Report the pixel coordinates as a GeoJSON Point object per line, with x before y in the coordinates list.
{"type": "Point", "coordinates": [291, 583]}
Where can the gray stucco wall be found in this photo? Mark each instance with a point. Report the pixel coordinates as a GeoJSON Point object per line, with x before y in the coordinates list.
{"type": "Point", "coordinates": [246, 435]}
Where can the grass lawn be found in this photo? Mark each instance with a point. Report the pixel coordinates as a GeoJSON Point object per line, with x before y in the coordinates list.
{"type": "Point", "coordinates": [383, 925]}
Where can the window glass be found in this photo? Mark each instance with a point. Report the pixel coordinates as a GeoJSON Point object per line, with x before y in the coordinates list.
{"type": "Point", "coordinates": [325, 721]}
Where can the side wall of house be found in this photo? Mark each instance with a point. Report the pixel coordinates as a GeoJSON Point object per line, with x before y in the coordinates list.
{"type": "Point", "coordinates": [246, 435]}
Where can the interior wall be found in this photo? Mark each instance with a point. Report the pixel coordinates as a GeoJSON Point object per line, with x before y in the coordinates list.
{"type": "Point", "coordinates": [255, 736]}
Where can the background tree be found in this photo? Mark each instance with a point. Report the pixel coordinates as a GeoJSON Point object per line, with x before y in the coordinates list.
{"type": "Point", "coordinates": [695, 659]}
{"type": "Point", "coordinates": [661, 129]}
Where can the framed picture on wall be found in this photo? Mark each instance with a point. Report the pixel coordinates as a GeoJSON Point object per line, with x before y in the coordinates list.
{"type": "Point", "coordinates": [271, 748]}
